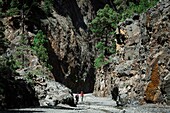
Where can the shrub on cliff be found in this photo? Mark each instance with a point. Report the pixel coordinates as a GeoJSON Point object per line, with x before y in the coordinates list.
{"type": "Point", "coordinates": [38, 46]}
{"type": "Point", "coordinates": [142, 6]}
{"type": "Point", "coordinates": [14, 7]}
{"type": "Point", "coordinates": [103, 26]}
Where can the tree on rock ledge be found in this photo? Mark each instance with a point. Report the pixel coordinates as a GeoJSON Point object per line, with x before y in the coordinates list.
{"type": "Point", "coordinates": [103, 27]}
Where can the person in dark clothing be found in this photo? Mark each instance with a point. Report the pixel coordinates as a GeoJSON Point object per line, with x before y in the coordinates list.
{"type": "Point", "coordinates": [115, 95]}
{"type": "Point", "coordinates": [114, 92]}
{"type": "Point", "coordinates": [77, 98]}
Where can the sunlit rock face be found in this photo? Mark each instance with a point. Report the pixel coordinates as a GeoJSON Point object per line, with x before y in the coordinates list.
{"type": "Point", "coordinates": [141, 65]}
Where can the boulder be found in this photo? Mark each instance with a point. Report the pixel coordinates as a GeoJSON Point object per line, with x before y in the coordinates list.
{"type": "Point", "coordinates": [16, 94]}
{"type": "Point", "coordinates": [51, 93]}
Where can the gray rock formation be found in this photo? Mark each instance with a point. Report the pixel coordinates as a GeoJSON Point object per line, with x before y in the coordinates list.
{"type": "Point", "coordinates": [132, 68]}
{"type": "Point", "coordinates": [71, 52]}
{"type": "Point", "coordinates": [16, 94]}
{"type": "Point", "coordinates": [48, 92]}
{"type": "Point", "coordinates": [52, 93]}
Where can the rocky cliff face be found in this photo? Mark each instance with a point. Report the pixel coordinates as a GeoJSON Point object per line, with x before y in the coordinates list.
{"type": "Point", "coordinates": [141, 66]}
{"type": "Point", "coordinates": [32, 84]}
{"type": "Point", "coordinates": [13, 93]}
{"type": "Point", "coordinates": [70, 49]}
{"type": "Point", "coordinates": [71, 45]}
{"type": "Point", "coordinates": [71, 53]}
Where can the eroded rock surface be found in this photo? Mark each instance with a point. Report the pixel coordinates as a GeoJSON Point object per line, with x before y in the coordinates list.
{"type": "Point", "coordinates": [147, 40]}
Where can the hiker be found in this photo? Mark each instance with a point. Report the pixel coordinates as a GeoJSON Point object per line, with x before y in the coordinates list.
{"type": "Point", "coordinates": [115, 95]}
{"type": "Point", "coordinates": [114, 92]}
{"type": "Point", "coordinates": [77, 98]}
{"type": "Point", "coordinates": [82, 95]}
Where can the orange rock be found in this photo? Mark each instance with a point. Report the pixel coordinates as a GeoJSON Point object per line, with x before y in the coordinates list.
{"type": "Point", "coordinates": [155, 75]}
{"type": "Point", "coordinates": [152, 91]}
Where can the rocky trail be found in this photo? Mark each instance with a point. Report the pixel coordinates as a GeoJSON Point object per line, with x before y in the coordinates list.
{"type": "Point", "coordinates": [92, 104]}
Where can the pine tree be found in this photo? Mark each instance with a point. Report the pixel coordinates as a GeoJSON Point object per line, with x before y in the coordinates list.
{"type": "Point", "coordinates": [103, 26]}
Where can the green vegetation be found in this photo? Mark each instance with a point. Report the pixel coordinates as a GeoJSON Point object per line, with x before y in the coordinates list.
{"type": "Point", "coordinates": [13, 10]}
{"type": "Point", "coordinates": [103, 26]}
{"type": "Point", "coordinates": [137, 8]}
{"type": "Point", "coordinates": [1, 7]}
{"type": "Point", "coordinates": [3, 41]}
{"type": "Point", "coordinates": [38, 46]}
{"type": "Point", "coordinates": [19, 58]}
{"type": "Point", "coordinates": [14, 7]}
{"type": "Point", "coordinates": [38, 49]}
{"type": "Point", "coordinates": [105, 23]}
{"type": "Point", "coordinates": [47, 6]}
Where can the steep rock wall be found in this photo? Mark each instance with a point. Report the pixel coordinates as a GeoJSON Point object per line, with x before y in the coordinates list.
{"type": "Point", "coordinates": [147, 38]}
{"type": "Point", "coordinates": [72, 46]}
{"type": "Point", "coordinates": [71, 54]}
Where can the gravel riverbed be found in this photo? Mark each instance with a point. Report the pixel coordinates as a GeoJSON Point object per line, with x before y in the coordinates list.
{"type": "Point", "coordinates": [92, 104]}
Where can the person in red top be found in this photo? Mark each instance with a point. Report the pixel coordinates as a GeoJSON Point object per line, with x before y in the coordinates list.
{"type": "Point", "coordinates": [81, 95]}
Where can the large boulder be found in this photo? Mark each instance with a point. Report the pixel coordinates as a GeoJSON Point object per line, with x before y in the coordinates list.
{"type": "Point", "coordinates": [16, 94]}
{"type": "Point", "coordinates": [51, 93]}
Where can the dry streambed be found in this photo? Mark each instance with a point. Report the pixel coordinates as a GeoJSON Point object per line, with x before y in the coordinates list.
{"type": "Point", "coordinates": [92, 104]}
